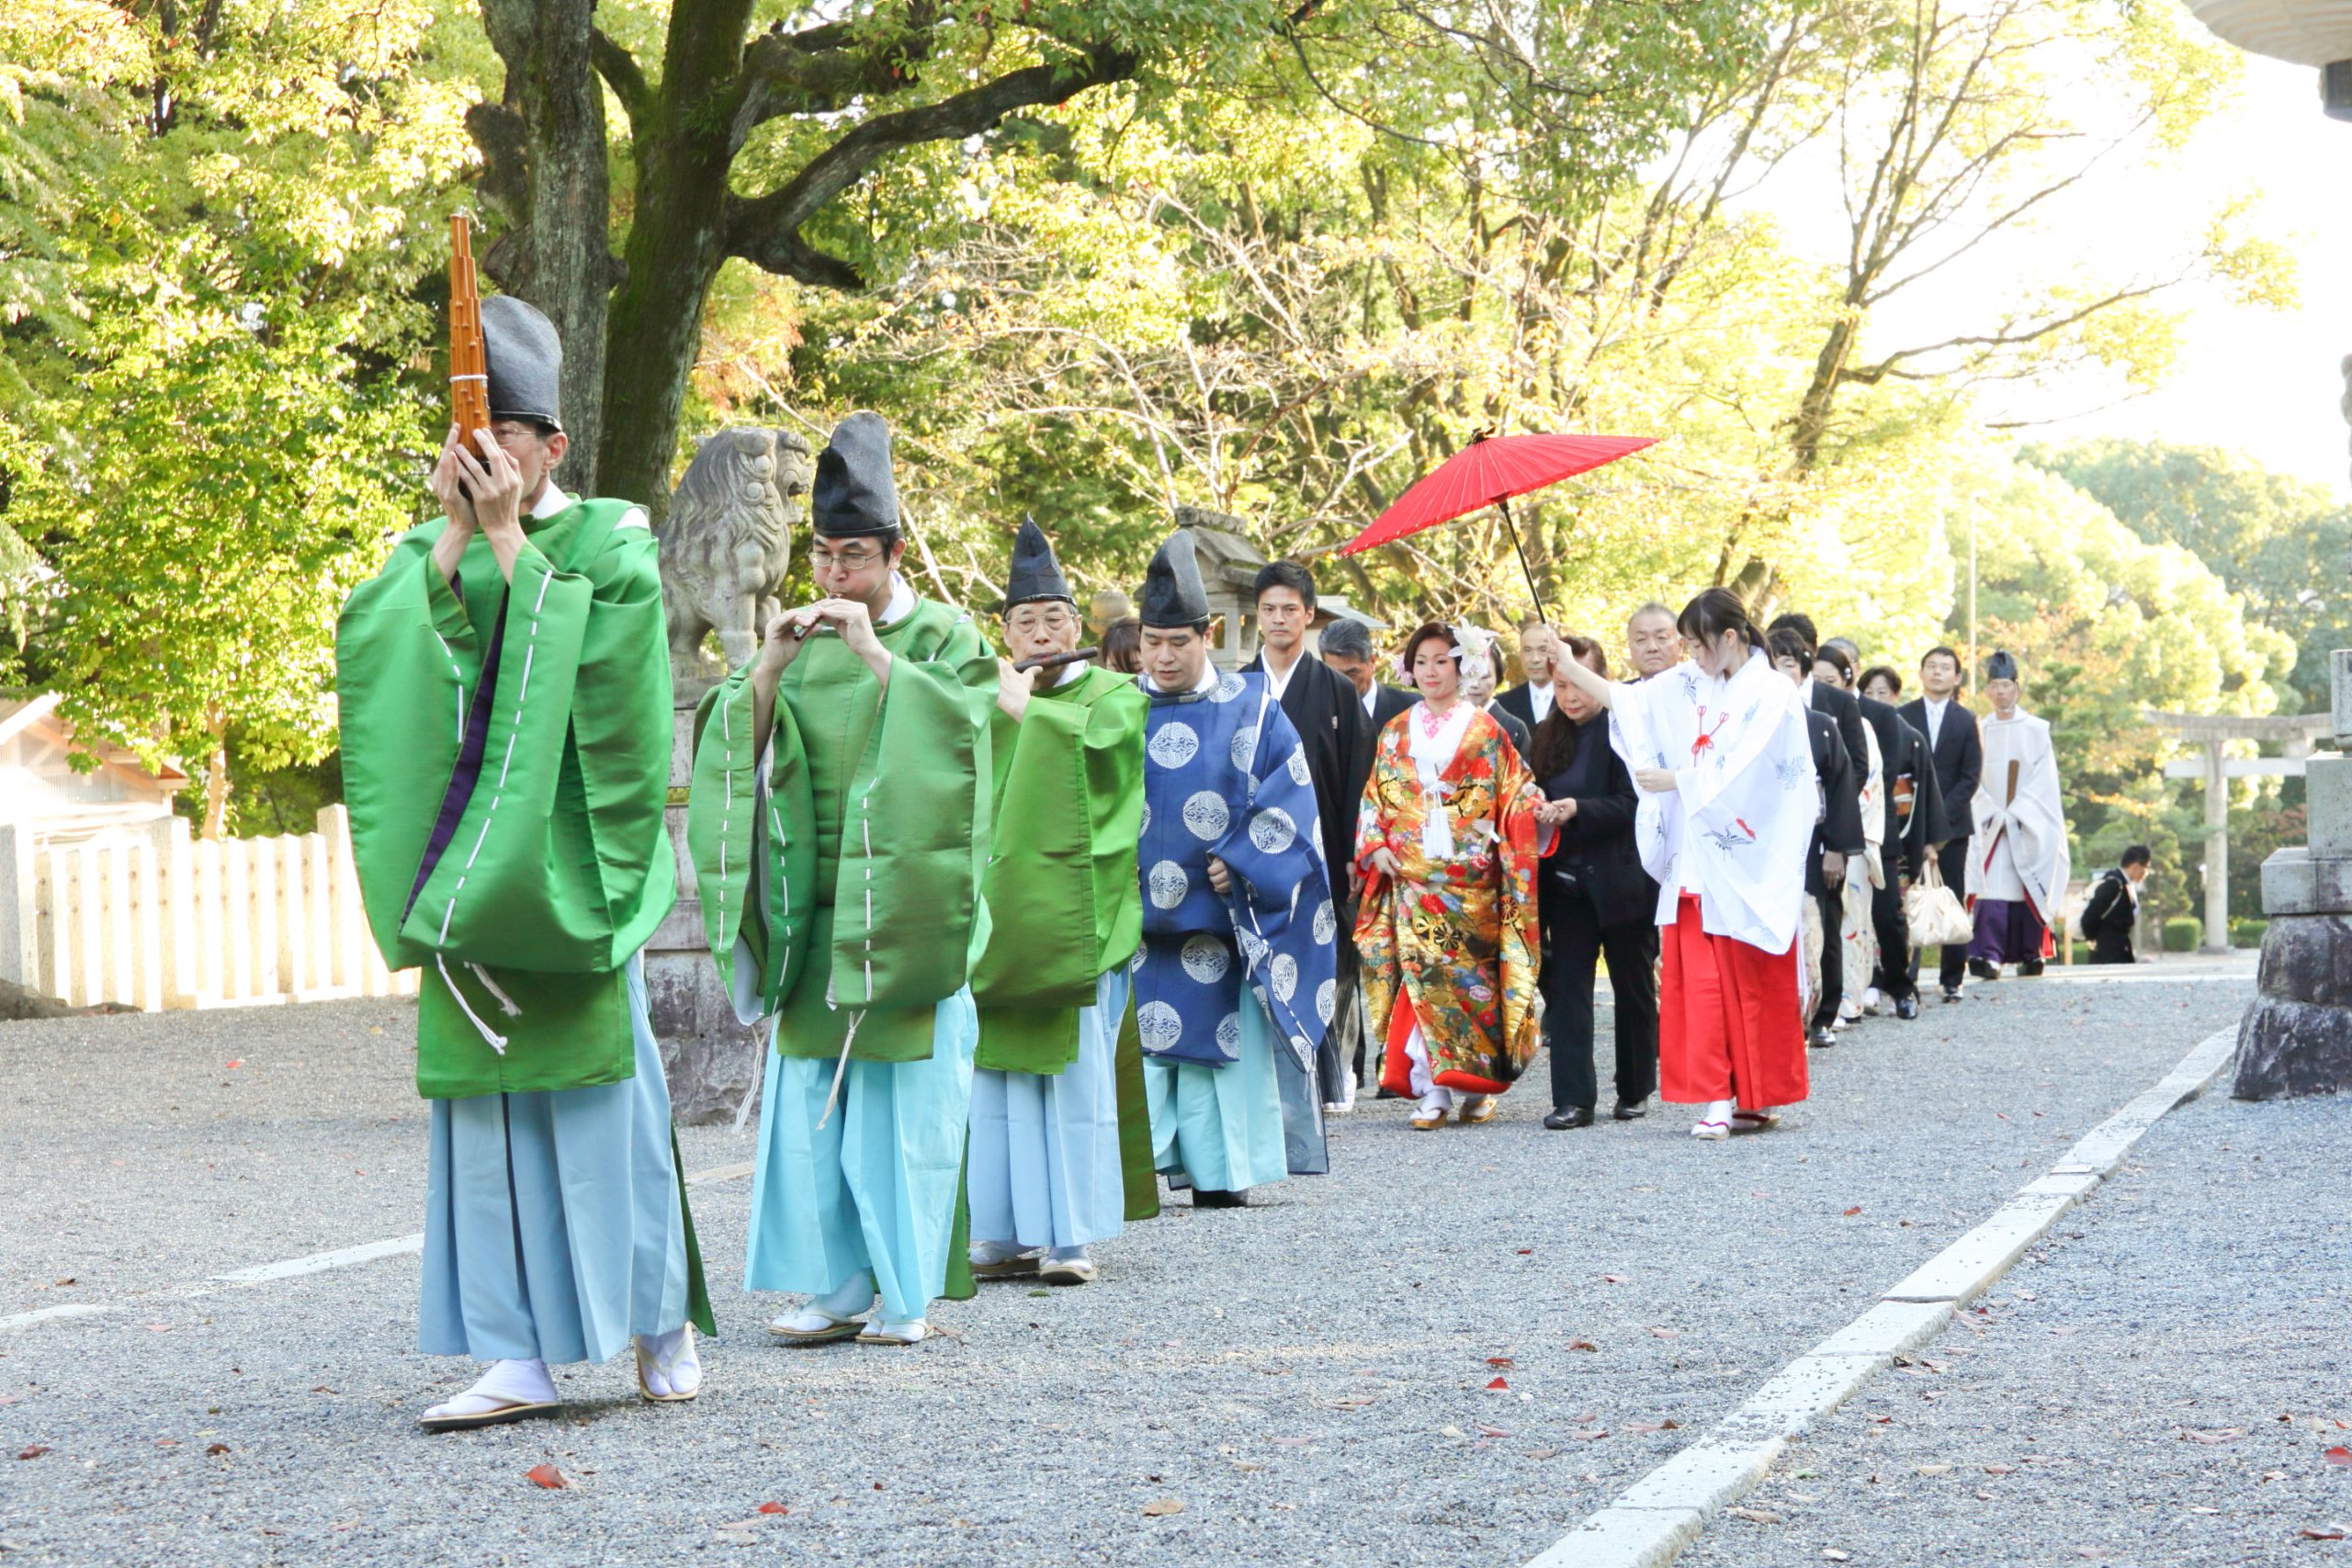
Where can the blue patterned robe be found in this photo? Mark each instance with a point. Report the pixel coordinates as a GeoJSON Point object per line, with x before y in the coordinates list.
{"type": "Point", "coordinates": [1225, 774]}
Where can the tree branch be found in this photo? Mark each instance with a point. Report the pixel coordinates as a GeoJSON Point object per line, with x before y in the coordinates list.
{"type": "Point", "coordinates": [820, 69]}
{"type": "Point", "coordinates": [622, 73]}
{"type": "Point", "coordinates": [765, 230]}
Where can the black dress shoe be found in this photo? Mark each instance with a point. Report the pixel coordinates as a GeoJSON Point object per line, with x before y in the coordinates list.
{"type": "Point", "coordinates": [1984, 969]}
{"type": "Point", "coordinates": [1906, 1007]}
{"type": "Point", "coordinates": [2030, 969]}
{"type": "Point", "coordinates": [1952, 993]}
{"type": "Point", "coordinates": [1210, 1198]}
{"type": "Point", "coordinates": [1560, 1121]}
{"type": "Point", "coordinates": [1821, 1039]}
{"type": "Point", "coordinates": [1630, 1110]}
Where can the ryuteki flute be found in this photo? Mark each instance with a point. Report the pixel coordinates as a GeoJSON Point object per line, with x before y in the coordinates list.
{"type": "Point", "coordinates": [1055, 660]}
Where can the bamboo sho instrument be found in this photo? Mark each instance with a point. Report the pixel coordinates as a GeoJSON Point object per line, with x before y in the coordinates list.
{"type": "Point", "coordinates": [468, 371]}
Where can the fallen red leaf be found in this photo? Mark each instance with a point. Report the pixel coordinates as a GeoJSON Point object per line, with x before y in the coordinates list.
{"type": "Point", "coordinates": [1498, 1360]}
{"type": "Point", "coordinates": [773, 1509]}
{"type": "Point", "coordinates": [238, 1063]}
{"type": "Point", "coordinates": [1852, 1212]}
{"type": "Point", "coordinates": [2322, 1535]}
{"type": "Point", "coordinates": [216, 1448]}
{"type": "Point", "coordinates": [1612, 1278]}
{"type": "Point", "coordinates": [1526, 1252]}
{"type": "Point", "coordinates": [1498, 1385]}
{"type": "Point", "coordinates": [32, 1450]}
{"type": "Point", "coordinates": [548, 1476]}
{"type": "Point", "coordinates": [2338, 1455]}
{"type": "Point", "coordinates": [1582, 1345]}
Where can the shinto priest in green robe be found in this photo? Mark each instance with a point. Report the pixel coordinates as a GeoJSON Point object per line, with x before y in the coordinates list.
{"type": "Point", "coordinates": [839, 829]}
{"type": "Point", "coordinates": [1046, 1177]}
{"type": "Point", "coordinates": [504, 692]}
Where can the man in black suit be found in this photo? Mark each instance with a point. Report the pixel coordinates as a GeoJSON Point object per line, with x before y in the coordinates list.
{"type": "Point", "coordinates": [1322, 705]}
{"type": "Point", "coordinates": [1959, 753]}
{"type": "Point", "coordinates": [1840, 708]}
{"type": "Point", "coordinates": [1347, 649]}
{"type": "Point", "coordinates": [1913, 821]}
{"type": "Point", "coordinates": [1531, 700]}
{"type": "Point", "coordinates": [1836, 838]}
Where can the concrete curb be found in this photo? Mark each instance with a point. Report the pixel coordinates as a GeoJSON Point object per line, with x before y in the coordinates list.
{"type": "Point", "coordinates": [1665, 1511]}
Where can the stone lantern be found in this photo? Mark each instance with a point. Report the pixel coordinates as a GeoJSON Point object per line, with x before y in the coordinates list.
{"type": "Point", "coordinates": [2297, 1037]}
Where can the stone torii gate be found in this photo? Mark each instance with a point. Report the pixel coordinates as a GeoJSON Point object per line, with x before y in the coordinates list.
{"type": "Point", "coordinates": [2208, 731]}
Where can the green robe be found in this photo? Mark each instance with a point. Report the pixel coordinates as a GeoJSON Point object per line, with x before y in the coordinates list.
{"type": "Point", "coordinates": [554, 867]}
{"type": "Point", "coordinates": [869, 910]}
{"type": "Point", "coordinates": [1061, 875]}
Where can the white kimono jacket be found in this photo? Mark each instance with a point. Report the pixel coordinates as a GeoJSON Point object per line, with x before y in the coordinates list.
{"type": "Point", "coordinates": [1736, 828]}
{"type": "Point", "coordinates": [2019, 848]}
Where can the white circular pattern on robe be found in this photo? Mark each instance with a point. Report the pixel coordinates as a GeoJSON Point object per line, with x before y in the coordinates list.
{"type": "Point", "coordinates": [1169, 884]}
{"type": "Point", "coordinates": [1135, 964]}
{"type": "Point", "coordinates": [1284, 970]}
{"type": "Point", "coordinates": [1146, 818]}
{"type": "Point", "coordinates": [1245, 747]}
{"type": "Point", "coordinates": [1326, 924]}
{"type": "Point", "coordinates": [1206, 817]}
{"type": "Point", "coordinates": [1229, 686]}
{"type": "Point", "coordinates": [1325, 995]}
{"type": "Point", "coordinates": [1228, 1034]}
{"type": "Point", "coordinates": [1173, 745]}
{"type": "Point", "coordinates": [1158, 1025]}
{"type": "Point", "coordinates": [1297, 764]}
{"type": "Point", "coordinates": [1205, 958]}
{"type": "Point", "coordinates": [1273, 831]}
{"type": "Point", "coordinates": [1253, 947]}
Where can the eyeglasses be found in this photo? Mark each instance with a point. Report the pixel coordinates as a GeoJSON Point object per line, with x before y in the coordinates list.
{"type": "Point", "coordinates": [844, 560]}
{"type": "Point", "coordinates": [1053, 620]}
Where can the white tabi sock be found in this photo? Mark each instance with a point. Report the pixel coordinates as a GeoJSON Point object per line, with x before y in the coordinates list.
{"type": "Point", "coordinates": [671, 1363]}
{"type": "Point", "coordinates": [845, 1301]}
{"type": "Point", "coordinates": [502, 1384]}
{"type": "Point", "coordinates": [987, 1252]}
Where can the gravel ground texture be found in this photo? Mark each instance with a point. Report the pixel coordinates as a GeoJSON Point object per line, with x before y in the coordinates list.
{"type": "Point", "coordinates": [1304, 1381]}
{"type": "Point", "coordinates": [2161, 1383]}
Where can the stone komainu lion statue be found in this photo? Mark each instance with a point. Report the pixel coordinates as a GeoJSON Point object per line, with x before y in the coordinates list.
{"type": "Point", "coordinates": [729, 538]}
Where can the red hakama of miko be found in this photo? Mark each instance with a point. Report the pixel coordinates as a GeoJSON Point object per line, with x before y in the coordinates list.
{"type": "Point", "coordinates": [1728, 1022]}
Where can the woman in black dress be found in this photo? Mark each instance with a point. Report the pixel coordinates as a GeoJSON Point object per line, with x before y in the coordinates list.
{"type": "Point", "coordinates": [1595, 899]}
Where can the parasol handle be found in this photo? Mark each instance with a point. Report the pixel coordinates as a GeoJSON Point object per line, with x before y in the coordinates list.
{"type": "Point", "coordinates": [1502, 504]}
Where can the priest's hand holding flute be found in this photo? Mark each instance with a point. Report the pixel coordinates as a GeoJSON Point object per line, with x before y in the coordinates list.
{"type": "Point", "coordinates": [788, 632]}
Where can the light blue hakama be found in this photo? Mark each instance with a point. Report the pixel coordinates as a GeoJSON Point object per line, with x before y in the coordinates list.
{"type": "Point", "coordinates": [1220, 1127]}
{"type": "Point", "coordinates": [552, 1226]}
{"type": "Point", "coordinates": [874, 1187]}
{"type": "Point", "coordinates": [1045, 1168]}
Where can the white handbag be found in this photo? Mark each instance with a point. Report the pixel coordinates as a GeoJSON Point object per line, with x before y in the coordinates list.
{"type": "Point", "coordinates": [1934, 912]}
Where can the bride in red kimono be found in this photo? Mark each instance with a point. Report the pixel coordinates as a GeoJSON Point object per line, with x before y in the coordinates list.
{"type": "Point", "coordinates": [1445, 839]}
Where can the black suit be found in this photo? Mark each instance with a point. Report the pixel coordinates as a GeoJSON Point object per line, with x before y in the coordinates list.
{"type": "Point", "coordinates": [1839, 829]}
{"type": "Point", "coordinates": [1959, 754]}
{"type": "Point", "coordinates": [1519, 703]}
{"type": "Point", "coordinates": [1596, 898]}
{"type": "Point", "coordinates": [1904, 770]}
{"type": "Point", "coordinates": [2108, 917]}
{"type": "Point", "coordinates": [1845, 710]}
{"type": "Point", "coordinates": [1513, 726]}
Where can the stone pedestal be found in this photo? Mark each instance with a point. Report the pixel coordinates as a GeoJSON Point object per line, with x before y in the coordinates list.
{"type": "Point", "coordinates": [2297, 1037]}
{"type": "Point", "coordinates": [711, 1061]}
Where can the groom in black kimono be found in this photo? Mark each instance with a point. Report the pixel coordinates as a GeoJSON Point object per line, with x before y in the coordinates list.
{"type": "Point", "coordinates": [1323, 706]}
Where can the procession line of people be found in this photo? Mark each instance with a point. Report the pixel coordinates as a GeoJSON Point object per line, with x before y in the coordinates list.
{"type": "Point", "coordinates": [1027, 929]}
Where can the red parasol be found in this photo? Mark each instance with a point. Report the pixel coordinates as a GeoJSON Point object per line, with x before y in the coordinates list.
{"type": "Point", "coordinates": [1488, 472]}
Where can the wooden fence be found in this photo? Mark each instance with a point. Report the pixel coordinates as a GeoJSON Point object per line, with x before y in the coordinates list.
{"type": "Point", "coordinates": [154, 919]}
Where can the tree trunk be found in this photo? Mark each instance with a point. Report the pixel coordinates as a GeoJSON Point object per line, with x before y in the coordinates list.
{"type": "Point", "coordinates": [216, 775]}
{"type": "Point", "coordinates": [684, 146]}
{"type": "Point", "coordinates": [543, 171]}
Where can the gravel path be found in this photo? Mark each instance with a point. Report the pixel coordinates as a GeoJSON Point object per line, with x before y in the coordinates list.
{"type": "Point", "coordinates": [2157, 1385]}
{"type": "Point", "coordinates": [1306, 1378]}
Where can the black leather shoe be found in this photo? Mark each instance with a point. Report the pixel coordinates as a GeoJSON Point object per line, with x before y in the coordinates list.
{"type": "Point", "coordinates": [1630, 1110]}
{"type": "Point", "coordinates": [1210, 1198]}
{"type": "Point", "coordinates": [2030, 969]}
{"type": "Point", "coordinates": [1906, 1007]}
{"type": "Point", "coordinates": [1821, 1039]}
{"type": "Point", "coordinates": [1560, 1121]}
{"type": "Point", "coordinates": [1952, 993]}
{"type": "Point", "coordinates": [1984, 969]}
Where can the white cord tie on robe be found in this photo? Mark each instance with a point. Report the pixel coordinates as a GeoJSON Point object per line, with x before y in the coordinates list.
{"type": "Point", "coordinates": [506, 1002]}
{"type": "Point", "coordinates": [840, 1067]}
{"type": "Point", "coordinates": [497, 1041]}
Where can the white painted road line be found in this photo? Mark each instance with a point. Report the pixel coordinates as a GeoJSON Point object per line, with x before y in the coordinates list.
{"type": "Point", "coordinates": [319, 1262]}
{"type": "Point", "coordinates": [1665, 1511]}
{"type": "Point", "coordinates": [294, 1267]}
